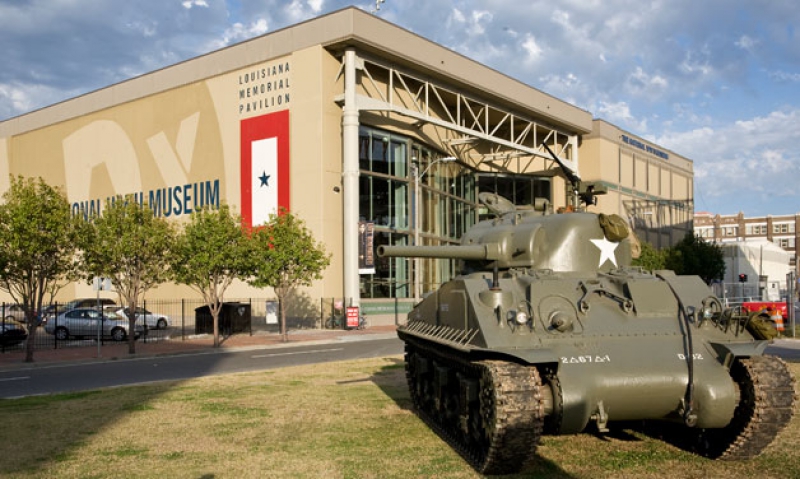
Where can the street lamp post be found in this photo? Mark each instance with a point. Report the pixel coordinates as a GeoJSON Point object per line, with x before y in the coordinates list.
{"type": "Point", "coordinates": [417, 215]}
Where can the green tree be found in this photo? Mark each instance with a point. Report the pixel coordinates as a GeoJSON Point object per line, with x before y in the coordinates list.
{"type": "Point", "coordinates": [37, 233]}
{"type": "Point", "coordinates": [650, 258]}
{"type": "Point", "coordinates": [693, 255]}
{"type": "Point", "coordinates": [286, 257]}
{"type": "Point", "coordinates": [130, 246]}
{"type": "Point", "coordinates": [211, 252]}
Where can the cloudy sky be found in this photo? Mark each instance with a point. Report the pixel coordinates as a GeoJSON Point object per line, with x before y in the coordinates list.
{"type": "Point", "coordinates": [717, 81]}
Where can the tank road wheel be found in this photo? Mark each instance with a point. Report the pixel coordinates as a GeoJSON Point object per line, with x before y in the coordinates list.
{"type": "Point", "coordinates": [418, 378]}
{"type": "Point", "coordinates": [510, 418]}
{"type": "Point", "coordinates": [766, 402]}
{"type": "Point", "coordinates": [492, 412]}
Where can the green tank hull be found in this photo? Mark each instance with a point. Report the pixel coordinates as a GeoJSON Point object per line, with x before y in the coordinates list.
{"type": "Point", "coordinates": [550, 330]}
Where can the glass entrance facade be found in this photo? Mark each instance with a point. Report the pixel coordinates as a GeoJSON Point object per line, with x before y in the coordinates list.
{"type": "Point", "coordinates": [519, 189]}
{"type": "Point", "coordinates": [410, 195]}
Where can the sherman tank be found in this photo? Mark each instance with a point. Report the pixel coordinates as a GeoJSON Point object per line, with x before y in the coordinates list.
{"type": "Point", "coordinates": [550, 330]}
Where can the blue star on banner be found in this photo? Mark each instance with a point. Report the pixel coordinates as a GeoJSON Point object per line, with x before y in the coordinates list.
{"type": "Point", "coordinates": [264, 179]}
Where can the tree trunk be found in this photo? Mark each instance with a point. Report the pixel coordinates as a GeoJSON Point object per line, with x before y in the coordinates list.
{"type": "Point", "coordinates": [29, 343]}
{"type": "Point", "coordinates": [131, 313]}
{"type": "Point", "coordinates": [32, 317]}
{"type": "Point", "coordinates": [215, 310]}
{"type": "Point", "coordinates": [282, 308]}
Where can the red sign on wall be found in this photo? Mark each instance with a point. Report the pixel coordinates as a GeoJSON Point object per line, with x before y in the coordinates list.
{"type": "Point", "coordinates": [352, 316]}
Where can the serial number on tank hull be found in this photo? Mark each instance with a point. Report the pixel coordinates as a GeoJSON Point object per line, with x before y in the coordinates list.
{"type": "Point", "coordinates": [695, 356]}
{"type": "Point", "coordinates": [585, 359]}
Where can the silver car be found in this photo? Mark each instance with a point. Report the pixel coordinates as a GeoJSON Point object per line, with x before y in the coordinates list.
{"type": "Point", "coordinates": [153, 320]}
{"type": "Point", "coordinates": [89, 322]}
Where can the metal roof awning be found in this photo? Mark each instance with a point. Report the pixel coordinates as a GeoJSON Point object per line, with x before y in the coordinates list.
{"type": "Point", "coordinates": [480, 133]}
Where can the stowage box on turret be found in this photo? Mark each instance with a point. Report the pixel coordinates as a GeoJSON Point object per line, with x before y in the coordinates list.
{"type": "Point", "coordinates": [550, 330]}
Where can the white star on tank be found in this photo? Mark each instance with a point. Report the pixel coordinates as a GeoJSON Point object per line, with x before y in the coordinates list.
{"type": "Point", "coordinates": [606, 250]}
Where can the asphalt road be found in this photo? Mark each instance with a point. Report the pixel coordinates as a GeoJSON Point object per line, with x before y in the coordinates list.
{"type": "Point", "coordinates": [788, 349]}
{"type": "Point", "coordinates": [60, 378]}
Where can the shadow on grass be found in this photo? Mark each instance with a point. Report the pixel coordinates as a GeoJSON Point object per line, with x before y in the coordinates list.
{"type": "Point", "coordinates": [671, 434]}
{"type": "Point", "coordinates": [676, 435]}
{"type": "Point", "coordinates": [391, 380]}
{"type": "Point", "coordinates": [618, 432]}
{"type": "Point", "coordinates": [49, 429]}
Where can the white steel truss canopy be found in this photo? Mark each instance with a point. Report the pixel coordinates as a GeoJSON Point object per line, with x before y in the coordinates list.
{"type": "Point", "coordinates": [480, 134]}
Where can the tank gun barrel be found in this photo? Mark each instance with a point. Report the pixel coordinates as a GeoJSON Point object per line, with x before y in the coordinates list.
{"type": "Point", "coordinates": [490, 252]}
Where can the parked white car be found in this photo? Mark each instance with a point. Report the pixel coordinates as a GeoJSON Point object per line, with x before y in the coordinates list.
{"type": "Point", "coordinates": [143, 316]}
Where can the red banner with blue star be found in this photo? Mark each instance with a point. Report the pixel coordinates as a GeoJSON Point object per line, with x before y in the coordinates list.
{"type": "Point", "coordinates": [264, 166]}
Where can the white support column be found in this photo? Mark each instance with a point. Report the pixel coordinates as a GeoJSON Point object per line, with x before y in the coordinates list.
{"type": "Point", "coordinates": [350, 179]}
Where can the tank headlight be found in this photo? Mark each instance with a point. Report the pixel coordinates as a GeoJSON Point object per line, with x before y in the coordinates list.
{"type": "Point", "coordinates": [561, 321]}
{"type": "Point", "coordinates": [522, 317]}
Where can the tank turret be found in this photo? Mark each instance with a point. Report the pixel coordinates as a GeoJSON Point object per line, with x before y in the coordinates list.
{"type": "Point", "coordinates": [556, 242]}
{"type": "Point", "coordinates": [549, 329]}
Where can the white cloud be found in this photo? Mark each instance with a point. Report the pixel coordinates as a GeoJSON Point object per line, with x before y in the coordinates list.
{"type": "Point", "coordinates": [783, 76]}
{"type": "Point", "coordinates": [16, 97]}
{"type": "Point", "coordinates": [644, 84]}
{"type": "Point", "coordinates": [239, 32]}
{"type": "Point", "coordinates": [472, 25]}
{"type": "Point", "coordinates": [456, 17]}
{"type": "Point", "coordinates": [194, 3]}
{"type": "Point", "coordinates": [299, 10]}
{"type": "Point", "coordinates": [694, 63]}
{"type": "Point", "coordinates": [146, 29]}
{"type": "Point", "coordinates": [746, 43]}
{"type": "Point", "coordinates": [567, 87]}
{"type": "Point", "coordinates": [531, 48]}
{"type": "Point", "coordinates": [560, 17]}
{"type": "Point", "coordinates": [619, 113]}
{"type": "Point", "coordinates": [742, 163]}
{"type": "Point", "coordinates": [316, 5]}
{"type": "Point", "coordinates": [477, 26]}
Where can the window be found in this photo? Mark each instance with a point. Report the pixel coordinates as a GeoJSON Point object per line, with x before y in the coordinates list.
{"type": "Point", "coordinates": [388, 195]}
{"type": "Point", "coordinates": [383, 201]}
{"type": "Point", "coordinates": [705, 232]}
{"type": "Point", "coordinates": [519, 189]}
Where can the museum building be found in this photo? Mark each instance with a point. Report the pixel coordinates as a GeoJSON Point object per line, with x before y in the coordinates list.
{"type": "Point", "coordinates": [371, 134]}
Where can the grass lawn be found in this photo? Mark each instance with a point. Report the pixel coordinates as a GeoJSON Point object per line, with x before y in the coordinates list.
{"type": "Point", "coordinates": [337, 420]}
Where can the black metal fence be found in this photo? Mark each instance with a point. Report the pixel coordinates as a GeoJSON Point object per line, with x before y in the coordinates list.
{"type": "Point", "coordinates": [174, 320]}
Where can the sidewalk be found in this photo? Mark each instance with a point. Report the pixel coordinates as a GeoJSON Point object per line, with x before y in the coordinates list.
{"type": "Point", "coordinates": [202, 344]}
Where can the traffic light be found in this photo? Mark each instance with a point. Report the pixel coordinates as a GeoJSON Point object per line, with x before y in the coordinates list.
{"type": "Point", "coordinates": [742, 278]}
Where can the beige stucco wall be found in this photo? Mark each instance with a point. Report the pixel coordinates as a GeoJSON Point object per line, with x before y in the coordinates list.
{"type": "Point", "coordinates": [317, 158]}
{"type": "Point", "coordinates": [636, 171]}
{"type": "Point", "coordinates": [189, 138]}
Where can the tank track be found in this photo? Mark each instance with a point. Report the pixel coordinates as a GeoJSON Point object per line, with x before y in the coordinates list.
{"type": "Point", "coordinates": [766, 404]}
{"type": "Point", "coordinates": [490, 412]}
